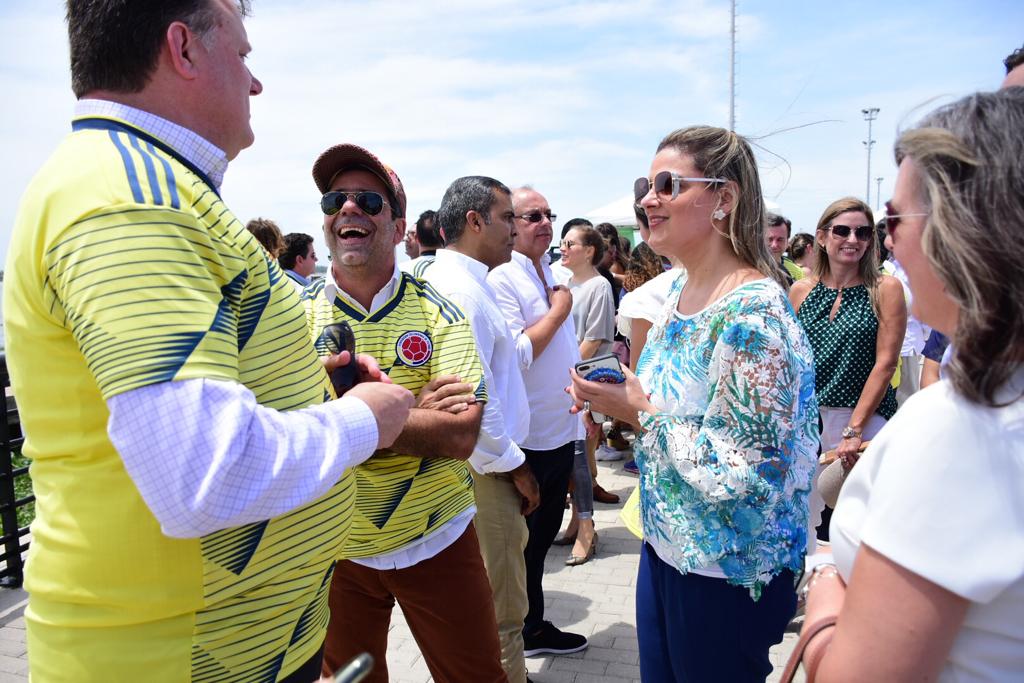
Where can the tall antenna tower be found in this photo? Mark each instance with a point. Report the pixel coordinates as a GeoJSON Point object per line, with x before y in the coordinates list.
{"type": "Point", "coordinates": [870, 115]}
{"type": "Point", "coordinates": [732, 65]}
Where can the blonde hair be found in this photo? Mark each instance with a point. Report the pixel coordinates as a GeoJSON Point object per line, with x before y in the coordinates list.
{"type": "Point", "coordinates": [867, 267]}
{"type": "Point", "coordinates": [721, 153]}
{"type": "Point", "coordinates": [969, 157]}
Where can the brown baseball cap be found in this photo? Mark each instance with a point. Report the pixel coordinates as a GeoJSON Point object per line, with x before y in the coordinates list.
{"type": "Point", "coordinates": [343, 157]}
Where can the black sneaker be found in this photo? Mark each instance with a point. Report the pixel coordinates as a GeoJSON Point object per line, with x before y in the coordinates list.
{"type": "Point", "coordinates": [549, 640]}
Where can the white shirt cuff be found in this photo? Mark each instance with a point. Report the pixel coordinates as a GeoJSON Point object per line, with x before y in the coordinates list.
{"type": "Point", "coordinates": [511, 458]}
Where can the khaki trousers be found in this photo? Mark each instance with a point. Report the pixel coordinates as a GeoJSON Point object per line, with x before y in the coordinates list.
{"type": "Point", "coordinates": [501, 530]}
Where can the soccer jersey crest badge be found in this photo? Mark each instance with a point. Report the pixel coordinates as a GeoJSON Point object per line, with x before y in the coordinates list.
{"type": "Point", "coordinates": [414, 348]}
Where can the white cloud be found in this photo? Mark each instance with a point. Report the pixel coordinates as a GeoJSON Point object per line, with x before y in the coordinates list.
{"type": "Point", "coordinates": [571, 96]}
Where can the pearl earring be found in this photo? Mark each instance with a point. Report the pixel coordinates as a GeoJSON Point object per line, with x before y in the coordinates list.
{"type": "Point", "coordinates": [718, 214]}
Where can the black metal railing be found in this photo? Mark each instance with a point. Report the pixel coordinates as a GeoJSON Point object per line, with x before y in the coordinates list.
{"type": "Point", "coordinates": [14, 481]}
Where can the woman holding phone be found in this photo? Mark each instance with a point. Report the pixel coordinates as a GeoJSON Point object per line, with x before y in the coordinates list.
{"type": "Point", "coordinates": [723, 403]}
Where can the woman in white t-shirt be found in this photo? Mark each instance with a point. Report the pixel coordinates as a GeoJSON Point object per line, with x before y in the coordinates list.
{"type": "Point", "coordinates": [928, 536]}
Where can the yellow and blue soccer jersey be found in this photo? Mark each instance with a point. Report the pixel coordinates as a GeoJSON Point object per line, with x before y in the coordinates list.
{"type": "Point", "coordinates": [416, 336]}
{"type": "Point", "coordinates": [125, 270]}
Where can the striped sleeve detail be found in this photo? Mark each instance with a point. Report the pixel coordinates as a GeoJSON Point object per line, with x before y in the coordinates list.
{"type": "Point", "coordinates": [448, 310]}
{"type": "Point", "coordinates": [421, 267]}
{"type": "Point", "coordinates": [312, 291]}
{"type": "Point", "coordinates": [147, 162]}
{"type": "Point", "coordinates": [148, 171]}
{"type": "Point", "coordinates": [129, 165]}
{"type": "Point", "coordinates": [148, 297]}
{"type": "Point", "coordinates": [172, 185]}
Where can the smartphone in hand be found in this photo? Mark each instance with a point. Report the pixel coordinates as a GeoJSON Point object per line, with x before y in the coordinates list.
{"type": "Point", "coordinates": [338, 337]}
{"type": "Point", "coordinates": [605, 369]}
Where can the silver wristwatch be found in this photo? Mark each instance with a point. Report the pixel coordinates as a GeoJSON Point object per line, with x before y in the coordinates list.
{"type": "Point", "coordinates": [850, 433]}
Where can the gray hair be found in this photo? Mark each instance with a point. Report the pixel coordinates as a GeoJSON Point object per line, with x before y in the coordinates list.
{"type": "Point", "coordinates": [469, 193]}
{"type": "Point", "coordinates": [969, 157]}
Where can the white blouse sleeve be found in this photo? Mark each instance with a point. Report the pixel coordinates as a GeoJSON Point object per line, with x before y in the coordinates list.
{"type": "Point", "coordinates": [946, 499]}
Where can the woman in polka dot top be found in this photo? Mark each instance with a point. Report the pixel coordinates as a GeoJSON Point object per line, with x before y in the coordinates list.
{"type": "Point", "coordinates": [855, 319]}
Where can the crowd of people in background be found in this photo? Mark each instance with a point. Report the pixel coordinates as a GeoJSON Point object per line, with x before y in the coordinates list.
{"type": "Point", "coordinates": [246, 464]}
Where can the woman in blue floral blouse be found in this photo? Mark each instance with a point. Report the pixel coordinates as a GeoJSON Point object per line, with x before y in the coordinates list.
{"type": "Point", "coordinates": [724, 399]}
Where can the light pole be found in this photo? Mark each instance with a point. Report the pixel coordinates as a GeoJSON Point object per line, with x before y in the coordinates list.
{"type": "Point", "coordinates": [878, 192]}
{"type": "Point", "coordinates": [869, 115]}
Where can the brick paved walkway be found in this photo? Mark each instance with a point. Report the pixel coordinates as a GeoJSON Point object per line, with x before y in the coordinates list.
{"type": "Point", "coordinates": [595, 599]}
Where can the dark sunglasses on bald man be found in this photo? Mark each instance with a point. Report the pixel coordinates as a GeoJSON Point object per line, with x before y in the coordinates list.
{"type": "Point", "coordinates": [861, 232]}
{"type": "Point", "coordinates": [538, 216]}
{"type": "Point", "coordinates": [666, 184]}
{"type": "Point", "coordinates": [370, 203]}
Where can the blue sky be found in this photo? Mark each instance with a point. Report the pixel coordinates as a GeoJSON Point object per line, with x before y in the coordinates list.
{"type": "Point", "coordinates": [571, 97]}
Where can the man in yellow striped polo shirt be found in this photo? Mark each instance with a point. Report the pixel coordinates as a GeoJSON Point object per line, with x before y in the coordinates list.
{"type": "Point", "coordinates": [192, 472]}
{"type": "Point", "coordinates": [412, 536]}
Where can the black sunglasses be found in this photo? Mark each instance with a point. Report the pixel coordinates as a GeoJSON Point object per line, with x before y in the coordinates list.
{"type": "Point", "coordinates": [666, 184]}
{"type": "Point", "coordinates": [538, 216]}
{"type": "Point", "coordinates": [892, 219]}
{"type": "Point", "coordinates": [861, 232]}
{"type": "Point", "coordinates": [370, 203]}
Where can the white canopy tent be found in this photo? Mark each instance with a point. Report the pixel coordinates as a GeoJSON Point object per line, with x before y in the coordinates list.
{"type": "Point", "coordinates": [618, 213]}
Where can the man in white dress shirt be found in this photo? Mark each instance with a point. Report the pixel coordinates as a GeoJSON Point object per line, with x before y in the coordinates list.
{"type": "Point", "coordinates": [298, 259]}
{"type": "Point", "coordinates": [537, 312]}
{"type": "Point", "coordinates": [477, 222]}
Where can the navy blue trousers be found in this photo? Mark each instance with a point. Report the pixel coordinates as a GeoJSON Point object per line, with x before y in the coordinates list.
{"type": "Point", "coordinates": [697, 629]}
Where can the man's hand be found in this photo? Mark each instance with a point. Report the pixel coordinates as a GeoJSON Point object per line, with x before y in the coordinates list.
{"type": "Point", "coordinates": [390, 405]}
{"type": "Point", "coordinates": [369, 370]}
{"type": "Point", "coordinates": [560, 299]}
{"type": "Point", "coordinates": [529, 490]}
{"type": "Point", "coordinates": [448, 393]}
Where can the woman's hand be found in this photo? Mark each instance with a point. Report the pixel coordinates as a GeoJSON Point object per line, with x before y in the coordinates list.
{"type": "Point", "coordinates": [848, 451]}
{"type": "Point", "coordinates": [624, 400]}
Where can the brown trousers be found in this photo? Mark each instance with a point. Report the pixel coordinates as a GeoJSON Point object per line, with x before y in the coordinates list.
{"type": "Point", "coordinates": [447, 604]}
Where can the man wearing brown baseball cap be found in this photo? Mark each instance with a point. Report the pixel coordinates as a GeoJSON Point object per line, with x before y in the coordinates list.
{"type": "Point", "coordinates": [413, 538]}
